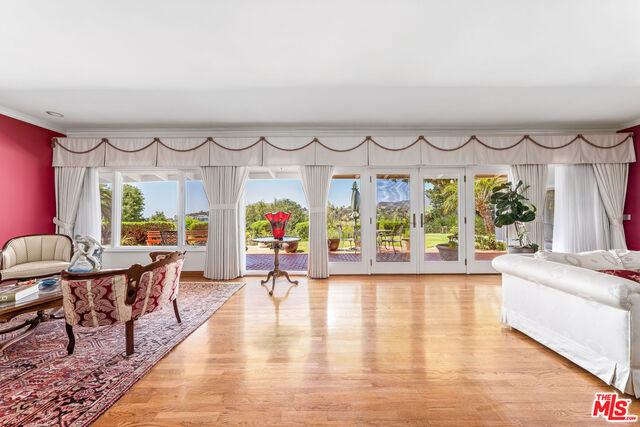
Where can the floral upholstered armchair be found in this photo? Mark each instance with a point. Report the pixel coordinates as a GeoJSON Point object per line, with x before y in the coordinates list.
{"type": "Point", "coordinates": [121, 296]}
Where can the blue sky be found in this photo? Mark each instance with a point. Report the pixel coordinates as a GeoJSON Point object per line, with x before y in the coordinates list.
{"type": "Point", "coordinates": [163, 196]}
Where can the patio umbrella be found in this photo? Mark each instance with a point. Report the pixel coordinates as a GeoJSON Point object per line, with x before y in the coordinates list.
{"type": "Point", "coordinates": [355, 199]}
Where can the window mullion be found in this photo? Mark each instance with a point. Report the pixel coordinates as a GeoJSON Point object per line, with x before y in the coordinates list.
{"type": "Point", "coordinates": [116, 209]}
{"type": "Point", "coordinates": [181, 209]}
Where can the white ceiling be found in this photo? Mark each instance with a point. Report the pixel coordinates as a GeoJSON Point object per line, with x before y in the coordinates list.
{"type": "Point", "coordinates": [360, 64]}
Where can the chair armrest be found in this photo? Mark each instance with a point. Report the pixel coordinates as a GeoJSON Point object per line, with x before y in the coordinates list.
{"type": "Point", "coordinates": [0, 260]}
{"type": "Point", "coordinates": [588, 284]}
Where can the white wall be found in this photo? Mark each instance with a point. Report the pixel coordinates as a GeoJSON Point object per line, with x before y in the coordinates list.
{"type": "Point", "coordinates": [114, 258]}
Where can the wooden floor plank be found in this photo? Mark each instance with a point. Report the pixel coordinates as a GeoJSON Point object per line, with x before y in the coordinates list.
{"type": "Point", "coordinates": [395, 350]}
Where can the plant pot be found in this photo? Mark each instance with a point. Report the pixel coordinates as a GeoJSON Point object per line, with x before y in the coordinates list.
{"type": "Point", "coordinates": [520, 250]}
{"type": "Point", "coordinates": [407, 243]}
{"type": "Point", "coordinates": [291, 247]}
{"type": "Point", "coordinates": [447, 253]}
{"type": "Point", "coordinates": [333, 244]}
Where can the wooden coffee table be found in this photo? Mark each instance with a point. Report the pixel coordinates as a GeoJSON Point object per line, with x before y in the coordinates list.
{"type": "Point", "coordinates": [42, 302]}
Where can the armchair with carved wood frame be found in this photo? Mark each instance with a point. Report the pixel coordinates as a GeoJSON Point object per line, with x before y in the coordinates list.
{"type": "Point", "coordinates": [121, 296]}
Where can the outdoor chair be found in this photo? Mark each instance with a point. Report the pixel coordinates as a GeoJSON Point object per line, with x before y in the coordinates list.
{"type": "Point", "coordinates": [354, 239]}
{"type": "Point", "coordinates": [169, 237]}
{"type": "Point", "coordinates": [393, 237]}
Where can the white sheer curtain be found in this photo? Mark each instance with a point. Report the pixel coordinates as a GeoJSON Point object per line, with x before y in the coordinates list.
{"type": "Point", "coordinates": [89, 216]}
{"type": "Point", "coordinates": [580, 220]}
{"type": "Point", "coordinates": [612, 183]}
{"type": "Point", "coordinates": [68, 188]}
{"type": "Point", "coordinates": [224, 186]}
{"type": "Point", "coordinates": [536, 177]}
{"type": "Point", "coordinates": [315, 183]}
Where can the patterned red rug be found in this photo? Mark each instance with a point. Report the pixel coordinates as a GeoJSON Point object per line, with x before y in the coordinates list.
{"type": "Point", "coordinates": [41, 385]}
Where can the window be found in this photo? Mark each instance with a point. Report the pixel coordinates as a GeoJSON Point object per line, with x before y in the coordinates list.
{"type": "Point", "coordinates": [343, 219]}
{"type": "Point", "coordinates": [149, 203]}
{"type": "Point", "coordinates": [273, 195]}
{"type": "Point", "coordinates": [547, 212]}
{"type": "Point", "coordinates": [196, 211]}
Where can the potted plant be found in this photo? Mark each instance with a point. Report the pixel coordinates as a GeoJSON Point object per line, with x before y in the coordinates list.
{"type": "Point", "coordinates": [449, 251]}
{"type": "Point", "coordinates": [511, 207]}
{"type": "Point", "coordinates": [333, 240]}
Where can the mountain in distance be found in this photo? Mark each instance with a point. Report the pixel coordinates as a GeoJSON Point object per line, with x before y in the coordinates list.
{"type": "Point", "coordinates": [396, 204]}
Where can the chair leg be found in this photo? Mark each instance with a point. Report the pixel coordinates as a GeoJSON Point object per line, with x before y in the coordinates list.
{"type": "Point", "coordinates": [129, 337]}
{"type": "Point", "coordinates": [175, 310]}
{"type": "Point", "coordinates": [72, 339]}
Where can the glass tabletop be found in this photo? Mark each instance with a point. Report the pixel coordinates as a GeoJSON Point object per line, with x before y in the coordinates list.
{"type": "Point", "coordinates": [44, 292]}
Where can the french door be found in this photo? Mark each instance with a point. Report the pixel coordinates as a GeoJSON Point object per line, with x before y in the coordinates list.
{"type": "Point", "coordinates": [431, 220]}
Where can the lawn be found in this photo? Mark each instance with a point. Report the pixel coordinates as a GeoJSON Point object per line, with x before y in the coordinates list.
{"type": "Point", "coordinates": [433, 239]}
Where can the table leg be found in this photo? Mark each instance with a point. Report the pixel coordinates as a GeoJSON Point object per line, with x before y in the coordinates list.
{"type": "Point", "coordinates": [33, 323]}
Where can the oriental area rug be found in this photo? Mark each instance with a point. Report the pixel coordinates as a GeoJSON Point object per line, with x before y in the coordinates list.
{"type": "Point", "coordinates": [41, 385]}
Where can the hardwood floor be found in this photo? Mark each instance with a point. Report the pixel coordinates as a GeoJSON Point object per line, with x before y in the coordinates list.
{"type": "Point", "coordinates": [426, 350]}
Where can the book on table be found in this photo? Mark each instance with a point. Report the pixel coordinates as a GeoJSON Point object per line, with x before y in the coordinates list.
{"type": "Point", "coordinates": [17, 292]}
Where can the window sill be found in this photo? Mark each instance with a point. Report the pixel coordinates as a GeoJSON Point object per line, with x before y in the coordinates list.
{"type": "Point", "coordinates": [145, 249]}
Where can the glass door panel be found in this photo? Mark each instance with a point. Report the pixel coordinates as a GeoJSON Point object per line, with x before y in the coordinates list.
{"type": "Point", "coordinates": [443, 206]}
{"type": "Point", "coordinates": [489, 241]}
{"type": "Point", "coordinates": [344, 224]}
{"type": "Point", "coordinates": [394, 221]}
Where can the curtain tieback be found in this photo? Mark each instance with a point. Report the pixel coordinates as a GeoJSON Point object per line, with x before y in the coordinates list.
{"type": "Point", "coordinates": [617, 221]}
{"type": "Point", "coordinates": [224, 207]}
{"type": "Point", "coordinates": [57, 221]}
{"type": "Point", "coordinates": [317, 209]}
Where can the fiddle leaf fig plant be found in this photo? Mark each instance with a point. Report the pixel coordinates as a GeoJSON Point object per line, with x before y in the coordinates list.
{"type": "Point", "coordinates": [511, 207]}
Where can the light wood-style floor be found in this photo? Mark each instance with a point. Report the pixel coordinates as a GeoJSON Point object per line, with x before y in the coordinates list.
{"type": "Point", "coordinates": [426, 350]}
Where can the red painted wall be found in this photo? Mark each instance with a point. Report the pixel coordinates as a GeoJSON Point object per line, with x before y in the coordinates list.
{"type": "Point", "coordinates": [27, 194]}
{"type": "Point", "coordinates": [632, 204]}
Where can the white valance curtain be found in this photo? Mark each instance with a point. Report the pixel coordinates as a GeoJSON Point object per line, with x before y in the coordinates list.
{"type": "Point", "coordinates": [612, 183]}
{"type": "Point", "coordinates": [344, 151]}
{"type": "Point", "coordinates": [580, 219]}
{"type": "Point", "coordinates": [224, 186]}
{"type": "Point", "coordinates": [315, 183]}
{"type": "Point", "coordinates": [68, 186]}
{"type": "Point", "coordinates": [535, 176]}
{"type": "Point", "coordinates": [89, 216]}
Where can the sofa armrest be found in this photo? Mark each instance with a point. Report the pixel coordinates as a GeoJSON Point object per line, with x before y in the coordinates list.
{"type": "Point", "coordinates": [588, 284]}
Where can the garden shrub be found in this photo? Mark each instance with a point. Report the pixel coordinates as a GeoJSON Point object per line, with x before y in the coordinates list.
{"type": "Point", "coordinates": [135, 233]}
{"type": "Point", "coordinates": [302, 230]}
{"type": "Point", "coordinates": [199, 226]}
{"type": "Point", "coordinates": [488, 241]}
{"type": "Point", "coordinates": [261, 228]}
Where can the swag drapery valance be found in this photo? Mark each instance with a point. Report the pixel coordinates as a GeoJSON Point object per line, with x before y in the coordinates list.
{"type": "Point", "coordinates": [344, 151]}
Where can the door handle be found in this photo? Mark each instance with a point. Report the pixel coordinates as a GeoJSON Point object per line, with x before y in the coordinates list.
{"type": "Point", "coordinates": [422, 220]}
{"type": "Point", "coordinates": [414, 220]}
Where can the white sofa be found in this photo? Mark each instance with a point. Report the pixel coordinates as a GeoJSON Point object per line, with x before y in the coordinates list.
{"type": "Point", "coordinates": [591, 318]}
{"type": "Point", "coordinates": [38, 255]}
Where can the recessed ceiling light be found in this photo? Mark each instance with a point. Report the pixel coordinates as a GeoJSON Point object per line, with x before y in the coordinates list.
{"type": "Point", "coordinates": [55, 114]}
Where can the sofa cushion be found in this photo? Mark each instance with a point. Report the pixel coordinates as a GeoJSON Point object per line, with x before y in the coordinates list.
{"type": "Point", "coordinates": [33, 269]}
{"type": "Point", "coordinates": [630, 259]}
{"type": "Point", "coordinates": [593, 260]}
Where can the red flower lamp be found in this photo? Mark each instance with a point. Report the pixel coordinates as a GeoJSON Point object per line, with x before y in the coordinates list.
{"type": "Point", "coordinates": [278, 223]}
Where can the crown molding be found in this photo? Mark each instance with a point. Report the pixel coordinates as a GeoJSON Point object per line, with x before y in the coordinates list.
{"type": "Point", "coordinates": [322, 131]}
{"type": "Point", "coordinates": [630, 124]}
{"type": "Point", "coordinates": [18, 115]}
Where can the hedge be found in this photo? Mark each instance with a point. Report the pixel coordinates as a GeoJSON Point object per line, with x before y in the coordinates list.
{"type": "Point", "coordinates": [302, 229]}
{"type": "Point", "coordinates": [135, 233]}
{"type": "Point", "coordinates": [200, 226]}
{"type": "Point", "coordinates": [261, 228]}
